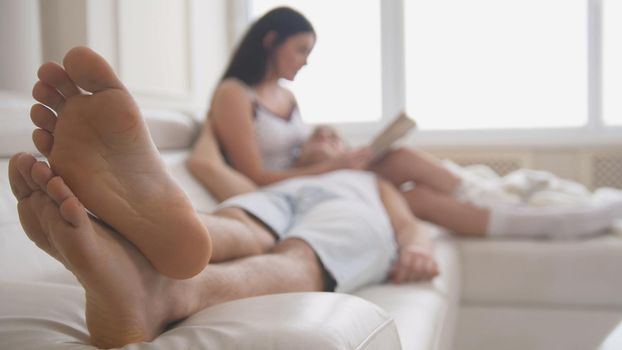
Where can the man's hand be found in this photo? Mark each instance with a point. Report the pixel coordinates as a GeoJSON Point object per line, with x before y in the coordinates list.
{"type": "Point", "coordinates": [415, 263]}
{"type": "Point", "coordinates": [416, 259]}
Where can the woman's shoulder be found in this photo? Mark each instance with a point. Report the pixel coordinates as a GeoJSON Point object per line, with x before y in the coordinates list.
{"type": "Point", "coordinates": [232, 88]}
{"type": "Point", "coordinates": [231, 101]}
{"type": "Point", "coordinates": [290, 95]}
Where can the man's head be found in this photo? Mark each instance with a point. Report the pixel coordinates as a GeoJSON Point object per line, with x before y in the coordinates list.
{"type": "Point", "coordinates": [323, 144]}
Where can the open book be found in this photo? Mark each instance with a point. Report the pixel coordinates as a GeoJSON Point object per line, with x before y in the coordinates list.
{"type": "Point", "coordinates": [397, 129]}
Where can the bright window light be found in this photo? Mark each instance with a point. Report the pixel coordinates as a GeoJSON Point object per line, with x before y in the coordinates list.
{"type": "Point", "coordinates": [342, 81]}
{"type": "Point", "coordinates": [483, 64]}
{"type": "Point", "coordinates": [612, 62]}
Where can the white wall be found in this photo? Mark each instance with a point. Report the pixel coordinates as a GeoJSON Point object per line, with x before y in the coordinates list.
{"type": "Point", "coordinates": [169, 53]}
{"type": "Point", "coordinates": [63, 26]}
{"type": "Point", "coordinates": [20, 41]}
{"type": "Point", "coordinates": [172, 53]}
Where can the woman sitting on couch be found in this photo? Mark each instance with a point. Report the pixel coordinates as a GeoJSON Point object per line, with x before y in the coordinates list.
{"type": "Point", "coordinates": [258, 129]}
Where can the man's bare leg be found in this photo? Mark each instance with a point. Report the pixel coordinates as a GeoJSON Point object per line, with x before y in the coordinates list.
{"type": "Point", "coordinates": [99, 144]}
{"type": "Point", "coordinates": [446, 211]}
{"type": "Point", "coordinates": [245, 235]}
{"type": "Point", "coordinates": [127, 300]}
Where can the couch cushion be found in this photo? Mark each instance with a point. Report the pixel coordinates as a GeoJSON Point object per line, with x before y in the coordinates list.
{"type": "Point", "coordinates": [170, 130]}
{"type": "Point", "coordinates": [534, 328]}
{"type": "Point", "coordinates": [585, 272]}
{"type": "Point", "coordinates": [51, 316]}
{"type": "Point", "coordinates": [425, 313]}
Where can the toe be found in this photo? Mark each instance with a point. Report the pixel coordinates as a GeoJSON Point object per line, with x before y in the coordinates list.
{"type": "Point", "coordinates": [58, 190]}
{"type": "Point", "coordinates": [48, 95]}
{"type": "Point", "coordinates": [71, 234]}
{"type": "Point", "coordinates": [43, 141]}
{"type": "Point", "coordinates": [32, 226]}
{"type": "Point", "coordinates": [43, 117]}
{"type": "Point", "coordinates": [90, 71]}
{"type": "Point", "coordinates": [47, 215]}
{"type": "Point", "coordinates": [73, 212]}
{"type": "Point", "coordinates": [24, 163]}
{"type": "Point", "coordinates": [41, 174]}
{"type": "Point", "coordinates": [71, 209]}
{"type": "Point", "coordinates": [20, 187]}
{"type": "Point", "coordinates": [54, 75]}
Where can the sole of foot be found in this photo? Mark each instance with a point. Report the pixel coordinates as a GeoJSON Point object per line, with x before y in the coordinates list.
{"type": "Point", "coordinates": [98, 142]}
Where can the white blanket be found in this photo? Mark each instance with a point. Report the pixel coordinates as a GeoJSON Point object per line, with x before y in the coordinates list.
{"type": "Point", "coordinates": [533, 203]}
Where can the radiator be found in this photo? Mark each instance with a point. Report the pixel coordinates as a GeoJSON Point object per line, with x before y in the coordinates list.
{"type": "Point", "coordinates": [604, 169]}
{"type": "Point", "coordinates": [592, 167]}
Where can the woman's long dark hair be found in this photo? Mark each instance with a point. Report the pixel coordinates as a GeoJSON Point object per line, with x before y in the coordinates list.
{"type": "Point", "coordinates": [250, 58]}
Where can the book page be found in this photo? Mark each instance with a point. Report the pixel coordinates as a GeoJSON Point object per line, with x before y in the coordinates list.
{"type": "Point", "coordinates": [397, 129]}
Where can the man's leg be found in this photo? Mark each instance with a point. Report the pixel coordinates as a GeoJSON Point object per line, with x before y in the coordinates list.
{"type": "Point", "coordinates": [446, 211]}
{"type": "Point", "coordinates": [99, 144]}
{"type": "Point", "coordinates": [244, 236]}
{"type": "Point", "coordinates": [127, 300]}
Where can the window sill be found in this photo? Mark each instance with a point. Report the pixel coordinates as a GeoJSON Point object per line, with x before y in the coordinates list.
{"type": "Point", "coordinates": [585, 137]}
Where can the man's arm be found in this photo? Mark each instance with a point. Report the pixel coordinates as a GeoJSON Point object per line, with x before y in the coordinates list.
{"type": "Point", "coordinates": [416, 260]}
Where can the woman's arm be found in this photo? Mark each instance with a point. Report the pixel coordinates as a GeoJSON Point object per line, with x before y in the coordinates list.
{"type": "Point", "coordinates": [231, 116]}
{"type": "Point", "coordinates": [208, 166]}
{"type": "Point", "coordinates": [416, 260]}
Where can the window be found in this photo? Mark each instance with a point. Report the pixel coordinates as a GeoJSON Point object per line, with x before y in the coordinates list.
{"type": "Point", "coordinates": [612, 62]}
{"type": "Point", "coordinates": [496, 64]}
{"type": "Point", "coordinates": [342, 81]}
{"type": "Point", "coordinates": [531, 70]}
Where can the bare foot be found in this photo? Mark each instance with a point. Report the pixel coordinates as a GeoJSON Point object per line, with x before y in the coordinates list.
{"type": "Point", "coordinates": [100, 146]}
{"type": "Point", "coordinates": [124, 294]}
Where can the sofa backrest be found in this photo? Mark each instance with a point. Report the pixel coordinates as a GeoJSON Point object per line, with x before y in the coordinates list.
{"type": "Point", "coordinates": [169, 129]}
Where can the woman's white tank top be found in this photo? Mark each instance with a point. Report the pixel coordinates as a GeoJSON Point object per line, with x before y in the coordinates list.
{"type": "Point", "coordinates": [280, 140]}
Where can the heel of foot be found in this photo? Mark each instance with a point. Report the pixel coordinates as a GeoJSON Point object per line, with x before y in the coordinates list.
{"type": "Point", "coordinates": [184, 257]}
{"type": "Point", "coordinates": [189, 260]}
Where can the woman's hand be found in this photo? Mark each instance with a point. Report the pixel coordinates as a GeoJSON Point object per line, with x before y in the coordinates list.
{"type": "Point", "coordinates": [355, 159]}
{"type": "Point", "coordinates": [415, 263]}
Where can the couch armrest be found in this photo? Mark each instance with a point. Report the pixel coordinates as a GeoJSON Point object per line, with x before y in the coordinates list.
{"type": "Point", "coordinates": [36, 315]}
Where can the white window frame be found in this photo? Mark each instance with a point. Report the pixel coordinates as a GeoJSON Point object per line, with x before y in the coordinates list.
{"type": "Point", "coordinates": [594, 133]}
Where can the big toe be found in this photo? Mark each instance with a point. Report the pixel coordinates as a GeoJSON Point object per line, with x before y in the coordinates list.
{"type": "Point", "coordinates": [90, 71]}
{"type": "Point", "coordinates": [20, 179]}
{"type": "Point", "coordinates": [54, 75]}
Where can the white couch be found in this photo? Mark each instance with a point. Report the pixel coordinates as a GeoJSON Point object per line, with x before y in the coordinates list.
{"type": "Point", "coordinates": [490, 295]}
